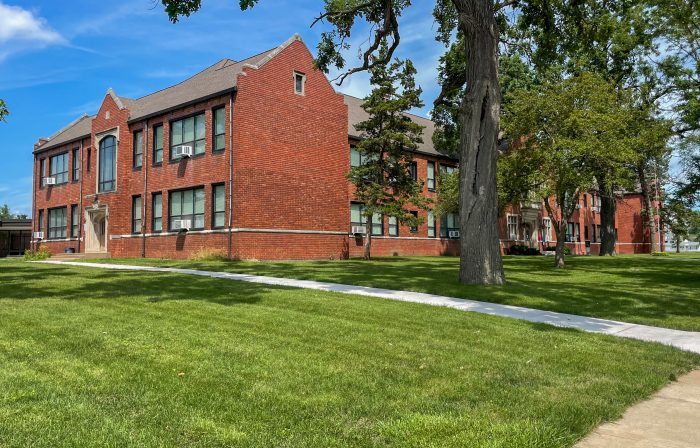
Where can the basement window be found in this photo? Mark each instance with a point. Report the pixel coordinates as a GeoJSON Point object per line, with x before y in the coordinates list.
{"type": "Point", "coordinates": [299, 82]}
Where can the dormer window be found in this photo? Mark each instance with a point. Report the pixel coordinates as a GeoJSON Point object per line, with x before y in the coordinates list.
{"type": "Point", "coordinates": [299, 81]}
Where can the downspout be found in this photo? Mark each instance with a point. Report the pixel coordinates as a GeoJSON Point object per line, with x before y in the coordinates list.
{"type": "Point", "coordinates": [34, 211]}
{"type": "Point", "coordinates": [80, 201]}
{"type": "Point", "coordinates": [144, 201]}
{"type": "Point", "coordinates": [230, 174]}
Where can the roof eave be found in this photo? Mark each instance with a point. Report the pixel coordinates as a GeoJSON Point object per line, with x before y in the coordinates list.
{"type": "Point", "coordinates": [181, 105]}
{"type": "Point", "coordinates": [48, 145]}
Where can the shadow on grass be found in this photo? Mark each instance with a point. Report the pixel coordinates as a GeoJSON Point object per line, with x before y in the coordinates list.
{"type": "Point", "coordinates": [33, 281]}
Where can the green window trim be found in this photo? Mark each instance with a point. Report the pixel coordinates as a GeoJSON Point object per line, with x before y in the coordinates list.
{"type": "Point", "coordinates": [219, 128]}
{"type": "Point", "coordinates": [157, 212]}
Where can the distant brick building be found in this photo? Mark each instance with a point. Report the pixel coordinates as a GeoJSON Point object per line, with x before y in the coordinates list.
{"type": "Point", "coordinates": [251, 158]}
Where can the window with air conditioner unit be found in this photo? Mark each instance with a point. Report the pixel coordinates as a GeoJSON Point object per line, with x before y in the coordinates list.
{"type": "Point", "coordinates": [186, 209]}
{"type": "Point", "coordinates": [182, 151]}
{"type": "Point", "coordinates": [449, 223]}
{"type": "Point", "coordinates": [38, 235]}
{"type": "Point", "coordinates": [358, 221]}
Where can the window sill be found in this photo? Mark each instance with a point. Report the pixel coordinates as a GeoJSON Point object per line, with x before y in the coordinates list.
{"type": "Point", "coordinates": [192, 157]}
{"type": "Point", "coordinates": [136, 168]}
{"type": "Point", "coordinates": [157, 164]}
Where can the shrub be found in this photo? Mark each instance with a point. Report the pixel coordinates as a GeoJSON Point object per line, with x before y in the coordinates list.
{"type": "Point", "coordinates": [519, 249]}
{"type": "Point", "coordinates": [659, 254]}
{"type": "Point", "coordinates": [567, 251]}
{"type": "Point", "coordinates": [209, 255]}
{"type": "Point", "coordinates": [40, 254]}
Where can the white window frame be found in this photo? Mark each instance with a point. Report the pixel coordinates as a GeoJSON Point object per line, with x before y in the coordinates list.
{"type": "Point", "coordinates": [546, 230]}
{"type": "Point", "coordinates": [303, 83]}
{"type": "Point", "coordinates": [513, 235]}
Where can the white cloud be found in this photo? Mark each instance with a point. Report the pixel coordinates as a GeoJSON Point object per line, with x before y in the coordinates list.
{"type": "Point", "coordinates": [19, 24]}
{"type": "Point", "coordinates": [21, 30]}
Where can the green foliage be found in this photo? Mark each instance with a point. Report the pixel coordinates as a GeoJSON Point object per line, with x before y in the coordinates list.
{"type": "Point", "coordinates": [447, 193]}
{"type": "Point", "coordinates": [3, 110]}
{"type": "Point", "coordinates": [520, 249]}
{"type": "Point", "coordinates": [35, 255]}
{"type": "Point", "coordinates": [567, 250]}
{"type": "Point", "coordinates": [5, 212]}
{"type": "Point", "coordinates": [383, 182]}
{"type": "Point", "coordinates": [679, 218]}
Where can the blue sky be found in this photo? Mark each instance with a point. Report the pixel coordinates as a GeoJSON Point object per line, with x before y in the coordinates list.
{"type": "Point", "coordinates": [58, 58]}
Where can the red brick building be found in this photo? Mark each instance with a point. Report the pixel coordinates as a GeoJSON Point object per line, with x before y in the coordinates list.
{"type": "Point", "coordinates": [250, 158]}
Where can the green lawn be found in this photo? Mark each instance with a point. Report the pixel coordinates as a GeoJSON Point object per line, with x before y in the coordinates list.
{"type": "Point", "coordinates": [659, 291]}
{"type": "Point", "coordinates": [92, 357]}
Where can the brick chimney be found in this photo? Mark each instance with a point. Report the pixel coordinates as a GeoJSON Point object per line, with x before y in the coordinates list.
{"type": "Point", "coordinates": [41, 141]}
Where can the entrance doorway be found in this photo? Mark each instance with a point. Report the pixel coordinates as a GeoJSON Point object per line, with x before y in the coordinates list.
{"type": "Point", "coordinates": [96, 230]}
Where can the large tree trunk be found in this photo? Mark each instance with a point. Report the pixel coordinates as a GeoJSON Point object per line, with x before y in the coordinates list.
{"type": "Point", "coordinates": [561, 245]}
{"type": "Point", "coordinates": [650, 216]}
{"type": "Point", "coordinates": [480, 260]}
{"type": "Point", "coordinates": [608, 236]}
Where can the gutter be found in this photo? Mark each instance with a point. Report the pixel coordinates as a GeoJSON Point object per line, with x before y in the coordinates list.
{"type": "Point", "coordinates": [181, 105]}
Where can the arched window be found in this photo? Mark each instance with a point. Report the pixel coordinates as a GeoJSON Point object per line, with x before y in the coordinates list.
{"type": "Point", "coordinates": [108, 164]}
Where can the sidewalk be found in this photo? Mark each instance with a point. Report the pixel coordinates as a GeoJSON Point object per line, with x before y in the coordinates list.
{"type": "Point", "coordinates": [669, 419]}
{"type": "Point", "coordinates": [685, 340]}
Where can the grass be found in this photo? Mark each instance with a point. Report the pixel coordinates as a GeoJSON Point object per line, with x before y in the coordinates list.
{"type": "Point", "coordinates": [658, 291]}
{"type": "Point", "coordinates": [118, 358]}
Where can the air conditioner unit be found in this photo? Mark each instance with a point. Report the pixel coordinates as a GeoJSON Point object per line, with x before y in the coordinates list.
{"type": "Point", "coordinates": [38, 235]}
{"type": "Point", "coordinates": [453, 233]}
{"type": "Point", "coordinates": [183, 151]}
{"type": "Point", "coordinates": [361, 230]}
{"type": "Point", "coordinates": [595, 209]}
{"type": "Point", "coordinates": [49, 181]}
{"type": "Point", "coordinates": [578, 206]}
{"type": "Point", "coordinates": [182, 224]}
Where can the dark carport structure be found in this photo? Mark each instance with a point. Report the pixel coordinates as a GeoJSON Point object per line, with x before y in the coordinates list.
{"type": "Point", "coordinates": [15, 236]}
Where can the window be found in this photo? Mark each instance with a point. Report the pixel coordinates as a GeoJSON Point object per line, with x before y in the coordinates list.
{"type": "Point", "coordinates": [577, 235]}
{"type": "Point", "coordinates": [413, 168]}
{"type": "Point", "coordinates": [40, 223]}
{"type": "Point", "coordinates": [431, 176]}
{"type": "Point", "coordinates": [585, 233]}
{"type": "Point", "coordinates": [594, 236]}
{"type": "Point", "coordinates": [447, 169]}
{"type": "Point", "coordinates": [158, 143]}
{"type": "Point", "coordinates": [219, 206]}
{"type": "Point", "coordinates": [449, 223]}
{"type": "Point", "coordinates": [219, 129]}
{"type": "Point", "coordinates": [74, 221]}
{"type": "Point", "coordinates": [299, 81]}
{"type": "Point", "coordinates": [546, 230]}
{"type": "Point", "coordinates": [357, 218]}
{"type": "Point", "coordinates": [157, 212]}
{"type": "Point", "coordinates": [76, 164]}
{"type": "Point", "coordinates": [357, 158]}
{"type": "Point", "coordinates": [89, 159]}
{"type": "Point", "coordinates": [414, 229]}
{"type": "Point", "coordinates": [585, 200]}
{"type": "Point", "coordinates": [393, 226]}
{"type": "Point", "coordinates": [136, 214]}
{"type": "Point", "coordinates": [187, 204]}
{"type": "Point", "coordinates": [58, 168]}
{"type": "Point", "coordinates": [570, 232]}
{"type": "Point", "coordinates": [431, 224]}
{"type": "Point", "coordinates": [108, 165]}
{"type": "Point", "coordinates": [188, 132]}
{"type": "Point", "coordinates": [42, 172]}
{"type": "Point", "coordinates": [57, 223]}
{"type": "Point", "coordinates": [512, 221]}
{"type": "Point", "coordinates": [138, 149]}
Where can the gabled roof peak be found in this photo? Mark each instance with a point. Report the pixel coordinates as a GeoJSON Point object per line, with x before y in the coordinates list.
{"type": "Point", "coordinates": [116, 98]}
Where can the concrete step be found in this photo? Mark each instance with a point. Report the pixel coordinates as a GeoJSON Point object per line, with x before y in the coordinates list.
{"type": "Point", "coordinates": [81, 256]}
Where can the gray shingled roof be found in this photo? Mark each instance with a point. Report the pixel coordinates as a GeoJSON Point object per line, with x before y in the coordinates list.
{"type": "Point", "coordinates": [357, 114]}
{"type": "Point", "coordinates": [82, 127]}
{"type": "Point", "coordinates": [216, 79]}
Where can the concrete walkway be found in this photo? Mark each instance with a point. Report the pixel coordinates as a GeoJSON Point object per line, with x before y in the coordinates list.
{"type": "Point", "coordinates": [685, 340]}
{"type": "Point", "coordinates": [669, 419]}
